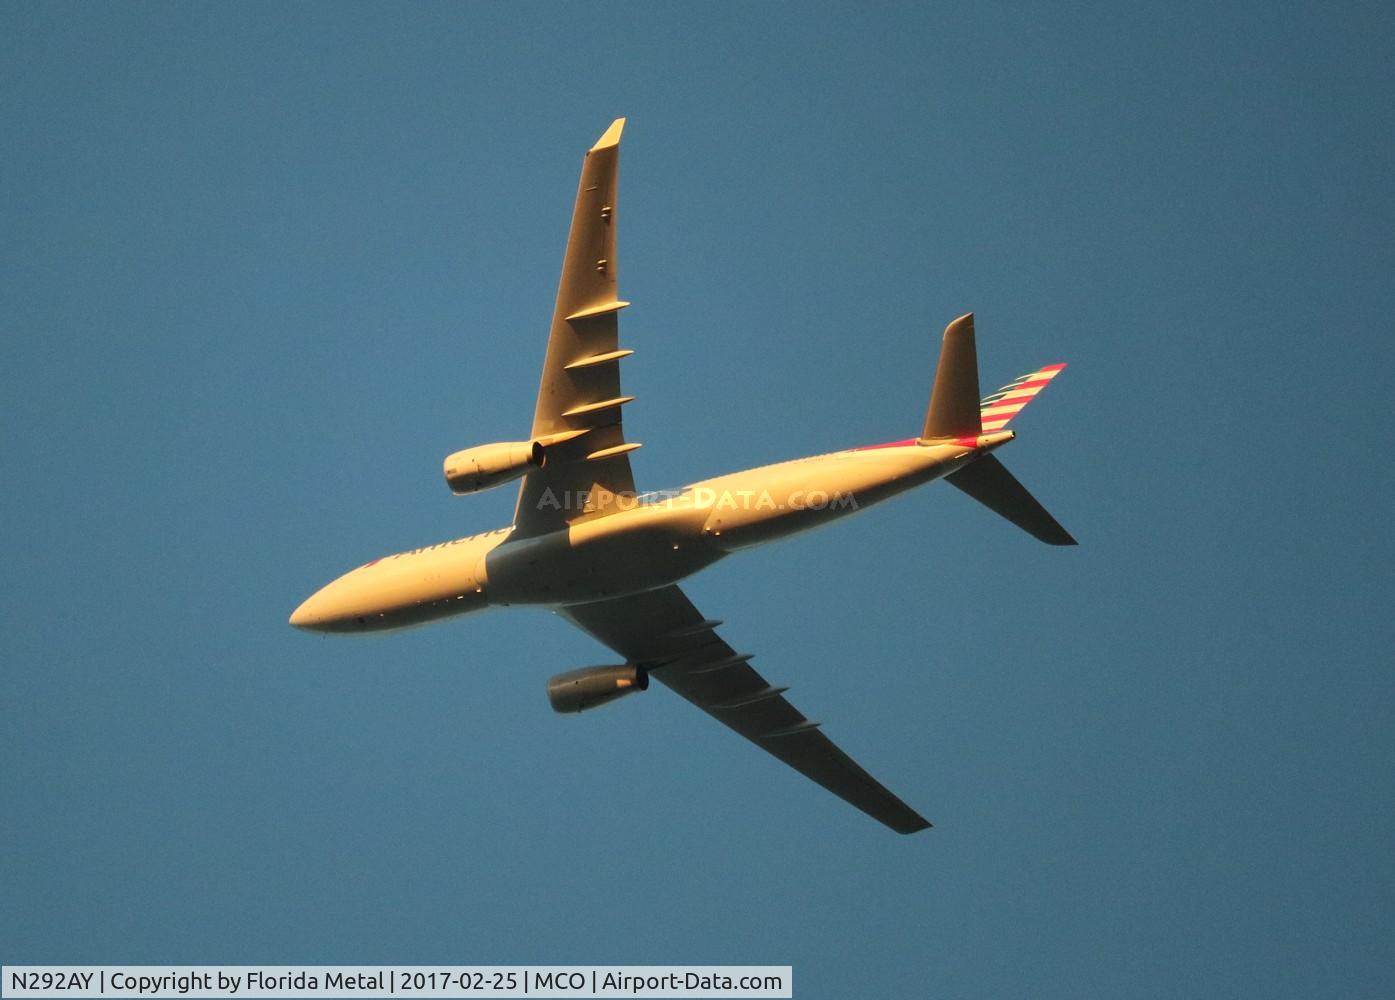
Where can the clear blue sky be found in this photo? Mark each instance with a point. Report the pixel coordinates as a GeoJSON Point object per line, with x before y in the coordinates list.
{"type": "Point", "coordinates": [263, 267]}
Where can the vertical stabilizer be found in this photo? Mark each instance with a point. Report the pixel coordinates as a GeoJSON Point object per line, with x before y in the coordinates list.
{"type": "Point", "coordinates": [954, 409]}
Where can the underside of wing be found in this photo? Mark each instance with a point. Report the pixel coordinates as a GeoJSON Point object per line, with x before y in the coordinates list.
{"type": "Point", "coordinates": [662, 631]}
{"type": "Point", "coordinates": [579, 398]}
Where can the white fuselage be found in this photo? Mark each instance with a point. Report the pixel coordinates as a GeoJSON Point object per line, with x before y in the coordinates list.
{"type": "Point", "coordinates": [637, 544]}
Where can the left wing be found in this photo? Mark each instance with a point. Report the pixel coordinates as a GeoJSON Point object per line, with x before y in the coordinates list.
{"type": "Point", "coordinates": [579, 400]}
{"type": "Point", "coordinates": [662, 631]}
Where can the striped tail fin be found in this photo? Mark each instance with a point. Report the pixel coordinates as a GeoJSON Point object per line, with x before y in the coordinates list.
{"type": "Point", "coordinates": [997, 409]}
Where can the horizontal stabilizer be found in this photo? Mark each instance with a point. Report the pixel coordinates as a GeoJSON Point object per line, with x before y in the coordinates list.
{"type": "Point", "coordinates": [989, 482]}
{"type": "Point", "coordinates": [998, 409]}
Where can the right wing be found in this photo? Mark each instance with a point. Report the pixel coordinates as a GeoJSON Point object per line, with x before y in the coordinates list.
{"type": "Point", "coordinates": [579, 398]}
{"type": "Point", "coordinates": [662, 631]}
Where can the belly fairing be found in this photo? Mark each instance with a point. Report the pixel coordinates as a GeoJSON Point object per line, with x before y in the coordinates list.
{"type": "Point", "coordinates": [641, 548]}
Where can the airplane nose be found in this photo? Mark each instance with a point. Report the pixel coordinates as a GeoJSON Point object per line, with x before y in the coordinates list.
{"type": "Point", "coordinates": [332, 608]}
{"type": "Point", "coordinates": [304, 617]}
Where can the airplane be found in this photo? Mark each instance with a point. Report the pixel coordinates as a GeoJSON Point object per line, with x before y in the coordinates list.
{"type": "Point", "coordinates": [586, 545]}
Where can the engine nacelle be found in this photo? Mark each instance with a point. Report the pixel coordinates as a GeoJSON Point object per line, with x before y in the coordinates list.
{"type": "Point", "coordinates": [488, 465]}
{"type": "Point", "coordinates": [578, 690]}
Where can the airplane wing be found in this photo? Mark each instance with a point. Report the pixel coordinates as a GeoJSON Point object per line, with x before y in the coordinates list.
{"type": "Point", "coordinates": [663, 631]}
{"type": "Point", "coordinates": [579, 400]}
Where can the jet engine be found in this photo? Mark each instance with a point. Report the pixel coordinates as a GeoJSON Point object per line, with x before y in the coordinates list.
{"type": "Point", "coordinates": [489, 465]}
{"type": "Point", "coordinates": [578, 690]}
